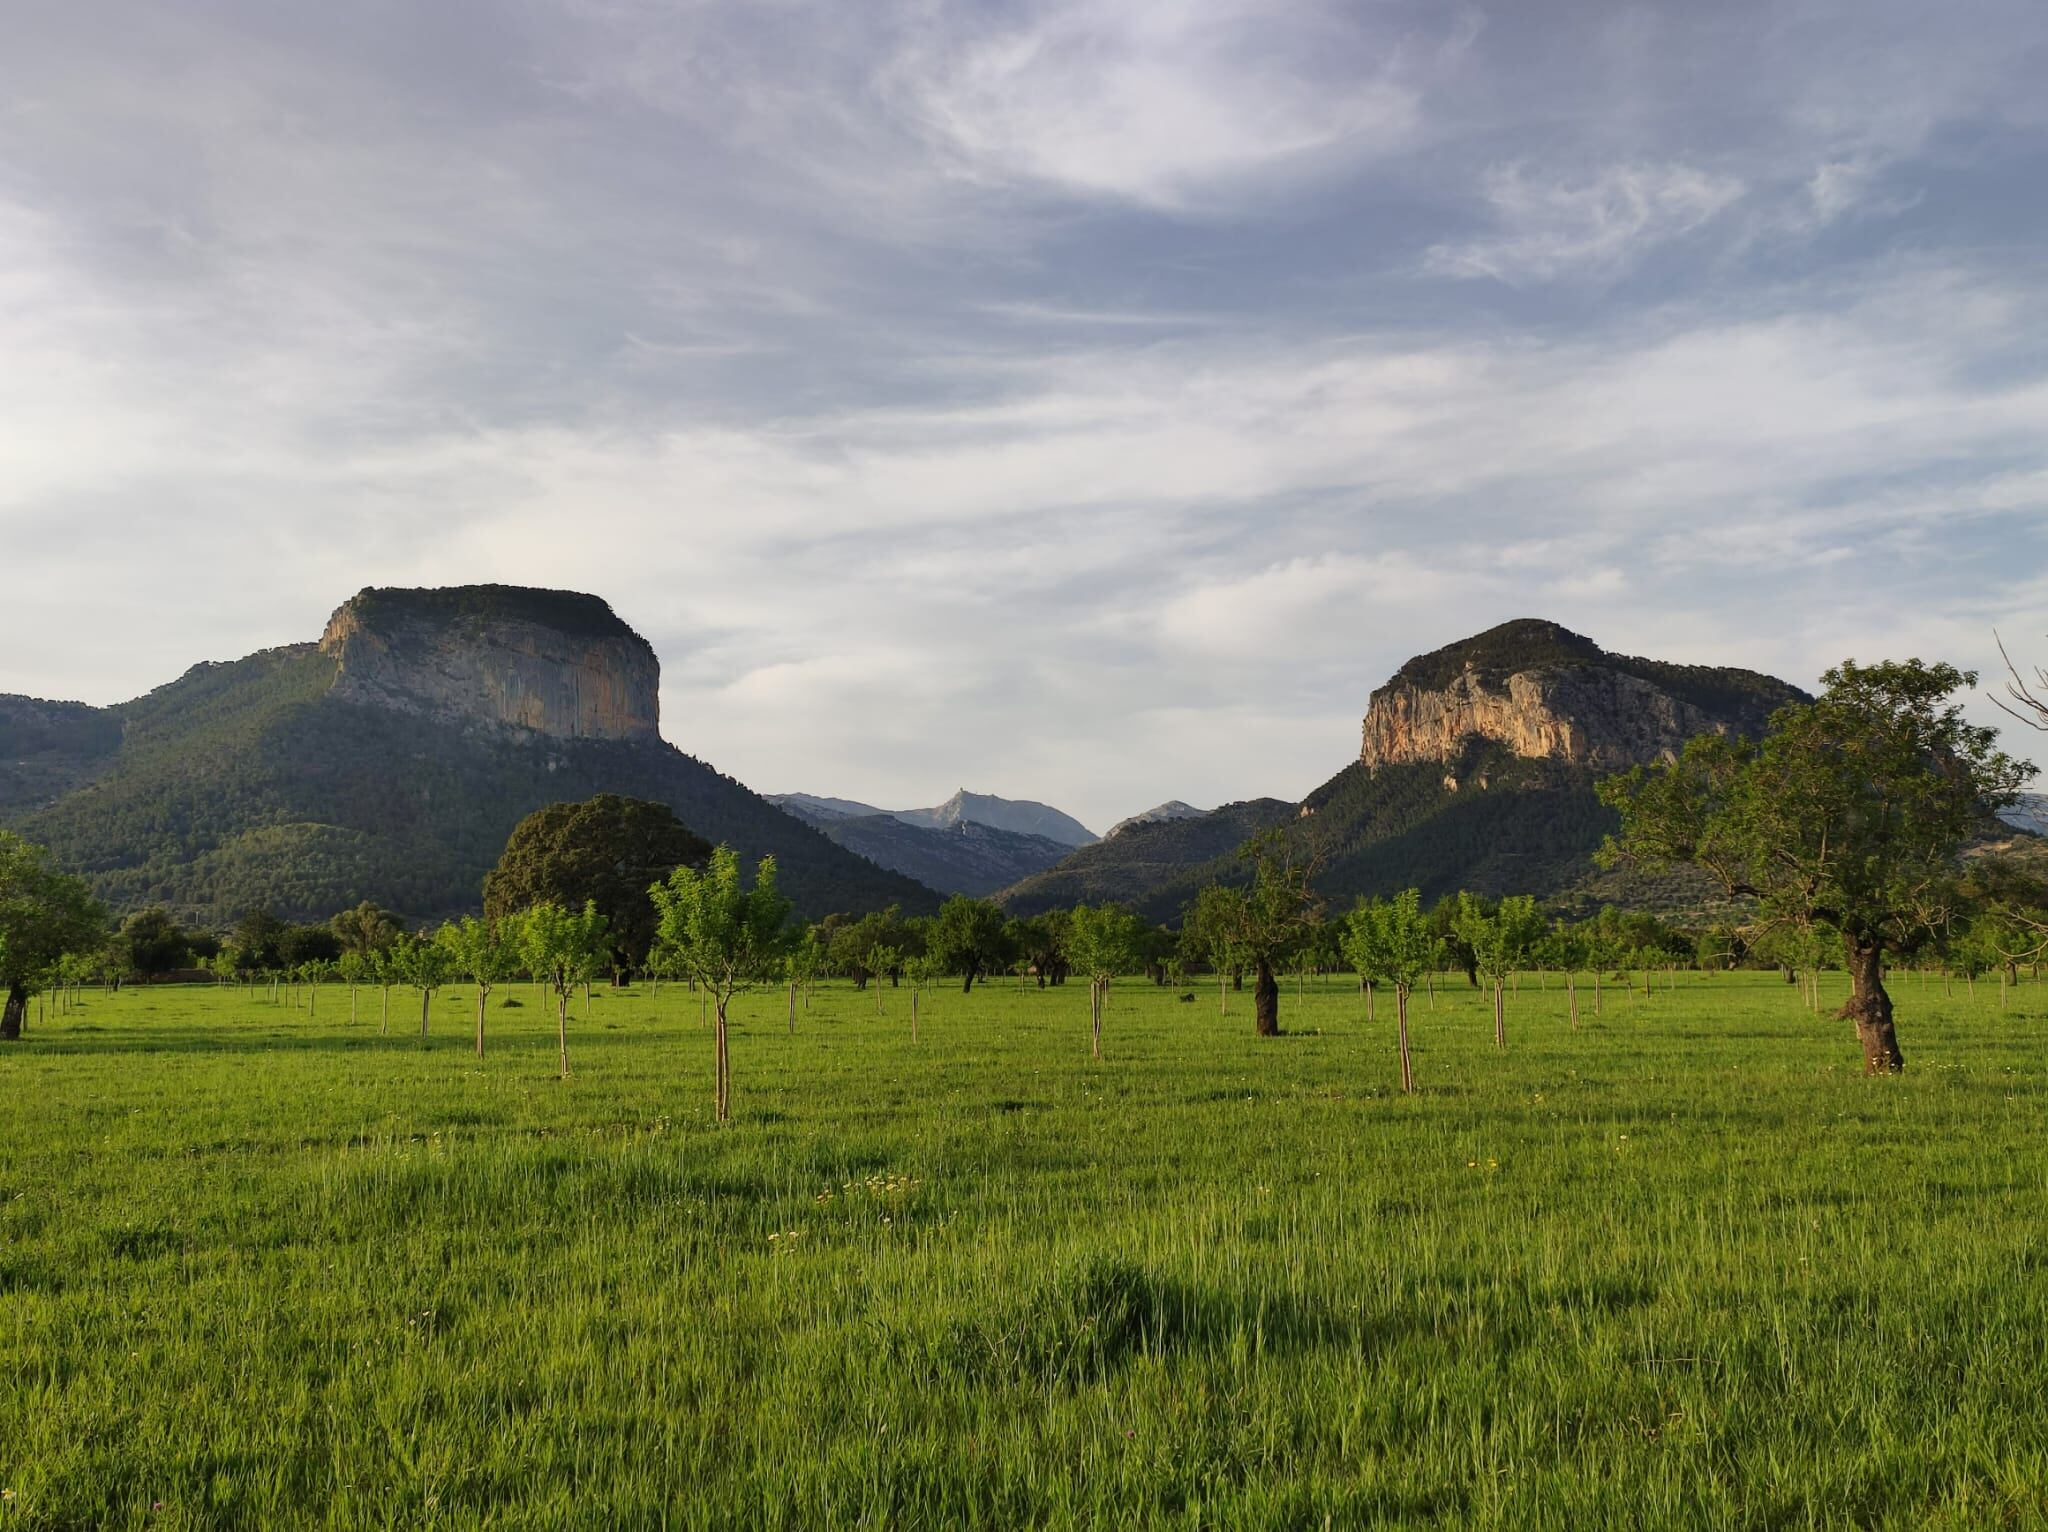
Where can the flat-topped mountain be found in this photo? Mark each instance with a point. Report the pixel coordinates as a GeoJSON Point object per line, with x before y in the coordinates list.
{"type": "Point", "coordinates": [1476, 771]}
{"type": "Point", "coordinates": [549, 662]}
{"type": "Point", "coordinates": [1547, 693]}
{"type": "Point", "coordinates": [389, 762]}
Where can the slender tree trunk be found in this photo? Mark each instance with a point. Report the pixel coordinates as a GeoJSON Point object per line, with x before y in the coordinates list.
{"type": "Point", "coordinates": [1571, 991]}
{"type": "Point", "coordinates": [792, 1010]}
{"type": "Point", "coordinates": [386, 1027]}
{"type": "Point", "coordinates": [1596, 992]}
{"type": "Point", "coordinates": [1266, 1001]}
{"type": "Point", "coordinates": [426, 999]}
{"type": "Point", "coordinates": [1095, 1018]}
{"type": "Point", "coordinates": [562, 1027]}
{"type": "Point", "coordinates": [1222, 993]}
{"type": "Point", "coordinates": [312, 1000]}
{"type": "Point", "coordinates": [1401, 1031]}
{"type": "Point", "coordinates": [1871, 1008]}
{"type": "Point", "coordinates": [15, 1013]}
{"type": "Point", "coordinates": [483, 995]}
{"type": "Point", "coordinates": [721, 1090]}
{"type": "Point", "coordinates": [1500, 1015]}
{"type": "Point", "coordinates": [916, 994]}
{"type": "Point", "coordinates": [1368, 1002]}
{"type": "Point", "coordinates": [351, 1005]}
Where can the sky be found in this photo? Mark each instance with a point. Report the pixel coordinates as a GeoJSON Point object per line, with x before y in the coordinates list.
{"type": "Point", "coordinates": [1082, 402]}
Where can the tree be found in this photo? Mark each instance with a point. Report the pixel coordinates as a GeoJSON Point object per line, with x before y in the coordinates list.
{"type": "Point", "coordinates": [485, 951]}
{"type": "Point", "coordinates": [1500, 942]}
{"type": "Point", "coordinates": [1391, 939]}
{"type": "Point", "coordinates": [1266, 921]}
{"type": "Point", "coordinates": [967, 937]}
{"type": "Point", "coordinates": [1042, 942]}
{"type": "Point", "coordinates": [1849, 813]}
{"type": "Point", "coordinates": [1565, 948]}
{"type": "Point", "coordinates": [922, 972]}
{"type": "Point", "coordinates": [150, 942]}
{"type": "Point", "coordinates": [364, 929]}
{"type": "Point", "coordinates": [43, 915]}
{"type": "Point", "coordinates": [805, 958]}
{"type": "Point", "coordinates": [605, 852]}
{"type": "Point", "coordinates": [1208, 934]}
{"type": "Point", "coordinates": [726, 935]}
{"type": "Point", "coordinates": [1102, 941]}
{"type": "Point", "coordinates": [556, 946]}
{"type": "Point", "coordinates": [426, 965]}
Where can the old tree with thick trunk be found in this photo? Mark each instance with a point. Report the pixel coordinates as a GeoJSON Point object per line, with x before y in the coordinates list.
{"type": "Point", "coordinates": [44, 916]}
{"type": "Point", "coordinates": [1847, 817]}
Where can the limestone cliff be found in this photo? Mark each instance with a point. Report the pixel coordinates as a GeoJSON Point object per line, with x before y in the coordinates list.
{"type": "Point", "coordinates": [553, 663]}
{"type": "Point", "coordinates": [1545, 692]}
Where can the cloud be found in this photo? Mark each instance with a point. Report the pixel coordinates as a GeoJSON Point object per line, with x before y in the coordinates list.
{"type": "Point", "coordinates": [1167, 105]}
{"type": "Point", "coordinates": [1588, 229]}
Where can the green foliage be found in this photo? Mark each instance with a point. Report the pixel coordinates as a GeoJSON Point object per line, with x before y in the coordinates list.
{"type": "Point", "coordinates": [1501, 939]}
{"type": "Point", "coordinates": [1390, 940]}
{"type": "Point", "coordinates": [719, 930]}
{"type": "Point", "coordinates": [482, 950]}
{"type": "Point", "coordinates": [1103, 940]}
{"type": "Point", "coordinates": [1850, 812]}
{"type": "Point", "coordinates": [43, 916]}
{"type": "Point", "coordinates": [605, 851]}
{"type": "Point", "coordinates": [150, 942]}
{"type": "Point", "coordinates": [967, 937]}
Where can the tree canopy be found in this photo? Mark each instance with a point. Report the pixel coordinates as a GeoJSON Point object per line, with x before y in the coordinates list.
{"type": "Point", "coordinates": [604, 851]}
{"type": "Point", "coordinates": [44, 915]}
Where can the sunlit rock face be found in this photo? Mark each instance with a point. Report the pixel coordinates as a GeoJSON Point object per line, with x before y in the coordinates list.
{"type": "Point", "coordinates": [1545, 692]}
{"type": "Point", "coordinates": [554, 663]}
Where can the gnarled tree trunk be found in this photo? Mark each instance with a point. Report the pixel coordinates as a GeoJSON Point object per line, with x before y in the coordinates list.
{"type": "Point", "coordinates": [1871, 1008]}
{"type": "Point", "coordinates": [15, 1014]}
{"type": "Point", "coordinates": [1266, 1001]}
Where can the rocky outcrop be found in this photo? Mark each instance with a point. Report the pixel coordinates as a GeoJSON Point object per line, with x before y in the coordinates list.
{"type": "Point", "coordinates": [1544, 692]}
{"type": "Point", "coordinates": [554, 663]}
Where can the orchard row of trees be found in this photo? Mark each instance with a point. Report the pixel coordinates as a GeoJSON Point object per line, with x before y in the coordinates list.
{"type": "Point", "coordinates": [1842, 827]}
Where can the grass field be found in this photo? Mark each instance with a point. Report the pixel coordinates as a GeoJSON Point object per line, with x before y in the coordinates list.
{"type": "Point", "coordinates": [1683, 1267]}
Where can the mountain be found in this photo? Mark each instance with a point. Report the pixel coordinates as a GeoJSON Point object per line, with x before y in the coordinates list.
{"type": "Point", "coordinates": [824, 810]}
{"type": "Point", "coordinates": [2028, 812]}
{"type": "Point", "coordinates": [965, 857]}
{"type": "Point", "coordinates": [1476, 770]}
{"type": "Point", "coordinates": [1172, 809]}
{"type": "Point", "coordinates": [1155, 866]}
{"type": "Point", "coordinates": [1018, 815]}
{"type": "Point", "coordinates": [389, 761]}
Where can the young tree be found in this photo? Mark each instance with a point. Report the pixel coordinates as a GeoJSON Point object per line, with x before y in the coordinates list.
{"type": "Point", "coordinates": [725, 934]}
{"type": "Point", "coordinates": [43, 915]}
{"type": "Point", "coordinates": [426, 966]}
{"type": "Point", "coordinates": [801, 967]}
{"type": "Point", "coordinates": [1565, 948]}
{"type": "Point", "coordinates": [485, 951]}
{"type": "Point", "coordinates": [1391, 939]}
{"type": "Point", "coordinates": [557, 947]}
{"type": "Point", "coordinates": [967, 937]}
{"type": "Point", "coordinates": [1500, 943]}
{"type": "Point", "coordinates": [1102, 941]}
{"type": "Point", "coordinates": [921, 973]}
{"type": "Point", "coordinates": [354, 968]}
{"type": "Point", "coordinates": [1207, 935]}
{"type": "Point", "coordinates": [1850, 812]}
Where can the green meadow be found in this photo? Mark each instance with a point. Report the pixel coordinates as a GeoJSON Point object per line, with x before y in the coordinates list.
{"type": "Point", "coordinates": [1684, 1266]}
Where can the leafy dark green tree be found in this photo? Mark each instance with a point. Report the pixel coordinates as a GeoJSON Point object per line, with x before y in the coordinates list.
{"type": "Point", "coordinates": [1849, 813]}
{"type": "Point", "coordinates": [605, 851]}
{"type": "Point", "coordinates": [44, 915]}
{"type": "Point", "coordinates": [725, 934]}
{"type": "Point", "coordinates": [1266, 921]}
{"type": "Point", "coordinates": [256, 938]}
{"type": "Point", "coordinates": [365, 929]}
{"type": "Point", "coordinates": [150, 942]}
{"type": "Point", "coordinates": [1501, 940]}
{"type": "Point", "coordinates": [967, 937]}
{"type": "Point", "coordinates": [299, 945]}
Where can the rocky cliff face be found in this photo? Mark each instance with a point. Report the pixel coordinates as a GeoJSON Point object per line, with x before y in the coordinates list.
{"type": "Point", "coordinates": [1548, 693]}
{"type": "Point", "coordinates": [553, 663]}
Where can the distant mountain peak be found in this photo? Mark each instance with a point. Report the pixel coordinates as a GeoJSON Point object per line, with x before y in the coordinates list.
{"type": "Point", "coordinates": [1172, 809]}
{"type": "Point", "coordinates": [1020, 816]}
